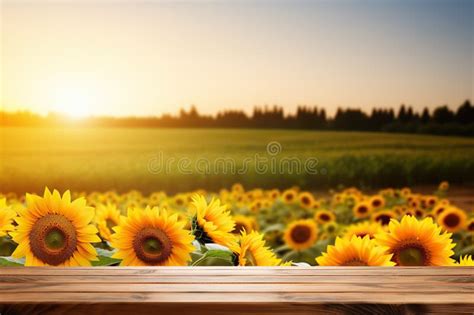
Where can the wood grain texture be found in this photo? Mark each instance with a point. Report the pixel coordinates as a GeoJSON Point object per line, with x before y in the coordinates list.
{"type": "Point", "coordinates": [227, 290]}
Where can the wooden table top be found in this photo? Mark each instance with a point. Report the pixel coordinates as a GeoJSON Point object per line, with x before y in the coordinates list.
{"type": "Point", "coordinates": [234, 285]}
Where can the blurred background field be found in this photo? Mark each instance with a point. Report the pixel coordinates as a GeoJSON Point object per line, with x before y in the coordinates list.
{"type": "Point", "coordinates": [88, 159]}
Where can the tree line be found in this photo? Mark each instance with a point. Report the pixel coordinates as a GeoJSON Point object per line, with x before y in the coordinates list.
{"type": "Point", "coordinates": [442, 120]}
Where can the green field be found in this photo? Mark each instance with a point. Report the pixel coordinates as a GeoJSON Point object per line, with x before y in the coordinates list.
{"type": "Point", "coordinates": [123, 159]}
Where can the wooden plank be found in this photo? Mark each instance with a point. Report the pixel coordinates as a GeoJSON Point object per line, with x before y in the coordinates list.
{"type": "Point", "coordinates": [238, 297]}
{"type": "Point", "coordinates": [230, 290]}
{"type": "Point", "coordinates": [241, 271]}
{"type": "Point", "coordinates": [165, 279]}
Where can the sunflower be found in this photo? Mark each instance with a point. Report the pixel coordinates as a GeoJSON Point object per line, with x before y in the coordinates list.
{"type": "Point", "coordinates": [438, 209]}
{"type": "Point", "coordinates": [362, 229]}
{"type": "Point", "coordinates": [316, 205]}
{"type": "Point", "coordinates": [383, 217]}
{"type": "Point", "coordinates": [331, 229]}
{"type": "Point", "coordinates": [355, 251]}
{"type": "Point", "coordinates": [306, 199]}
{"type": "Point", "coordinates": [238, 188]}
{"type": "Point", "coordinates": [377, 201]}
{"type": "Point", "coordinates": [414, 203]}
{"type": "Point", "coordinates": [256, 205]}
{"type": "Point", "coordinates": [443, 186]}
{"type": "Point", "coordinates": [54, 231]}
{"type": "Point", "coordinates": [466, 261]}
{"type": "Point", "coordinates": [405, 192]}
{"type": "Point", "coordinates": [452, 219]}
{"type": "Point", "coordinates": [266, 203]}
{"type": "Point", "coordinates": [470, 225]}
{"type": "Point", "coordinates": [180, 200]}
{"type": "Point", "coordinates": [156, 198]}
{"type": "Point", "coordinates": [244, 223]}
{"type": "Point", "coordinates": [430, 201]}
{"type": "Point", "coordinates": [274, 194]}
{"type": "Point", "coordinates": [399, 210]}
{"type": "Point", "coordinates": [152, 237]}
{"type": "Point", "coordinates": [362, 210]}
{"type": "Point", "coordinates": [389, 192]}
{"type": "Point", "coordinates": [338, 198]}
{"type": "Point", "coordinates": [444, 202]}
{"type": "Point", "coordinates": [420, 213]}
{"type": "Point", "coordinates": [301, 234]}
{"type": "Point", "coordinates": [6, 218]}
{"type": "Point", "coordinates": [240, 198]}
{"type": "Point", "coordinates": [417, 243]}
{"type": "Point", "coordinates": [251, 251]}
{"type": "Point", "coordinates": [107, 216]}
{"type": "Point", "coordinates": [410, 211]}
{"type": "Point", "coordinates": [324, 216]}
{"type": "Point", "coordinates": [289, 196]}
{"type": "Point", "coordinates": [255, 194]}
{"type": "Point", "coordinates": [212, 223]}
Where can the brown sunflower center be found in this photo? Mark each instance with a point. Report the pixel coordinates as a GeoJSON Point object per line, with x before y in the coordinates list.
{"type": "Point", "coordinates": [330, 228]}
{"type": "Point", "coordinates": [384, 219]}
{"type": "Point", "coordinates": [300, 234]}
{"type": "Point", "coordinates": [324, 217]}
{"type": "Point", "coordinates": [376, 203]}
{"type": "Point", "coordinates": [362, 209]}
{"type": "Point", "coordinates": [470, 227]}
{"type": "Point", "coordinates": [53, 239]}
{"type": "Point", "coordinates": [110, 223]}
{"type": "Point", "coordinates": [239, 227]}
{"type": "Point", "coordinates": [451, 220]}
{"type": "Point", "coordinates": [355, 262]}
{"type": "Point", "coordinates": [152, 246]}
{"type": "Point", "coordinates": [305, 200]}
{"type": "Point", "coordinates": [411, 254]}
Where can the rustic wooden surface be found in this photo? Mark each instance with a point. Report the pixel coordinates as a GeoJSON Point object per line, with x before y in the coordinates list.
{"type": "Point", "coordinates": [223, 290]}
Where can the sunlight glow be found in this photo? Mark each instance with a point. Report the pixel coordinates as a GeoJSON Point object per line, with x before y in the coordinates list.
{"type": "Point", "coordinates": [75, 101]}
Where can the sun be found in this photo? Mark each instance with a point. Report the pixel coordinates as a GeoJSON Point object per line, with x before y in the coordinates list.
{"type": "Point", "coordinates": [75, 102]}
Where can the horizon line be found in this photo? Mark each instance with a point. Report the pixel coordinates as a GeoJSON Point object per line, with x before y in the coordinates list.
{"type": "Point", "coordinates": [286, 113]}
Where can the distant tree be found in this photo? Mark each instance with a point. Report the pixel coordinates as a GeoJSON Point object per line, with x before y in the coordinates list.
{"type": "Point", "coordinates": [442, 120]}
{"type": "Point", "coordinates": [351, 119]}
{"type": "Point", "coordinates": [425, 116]}
{"type": "Point", "coordinates": [410, 116]}
{"type": "Point", "coordinates": [402, 114]}
{"type": "Point", "coordinates": [443, 115]}
{"type": "Point", "coordinates": [465, 113]}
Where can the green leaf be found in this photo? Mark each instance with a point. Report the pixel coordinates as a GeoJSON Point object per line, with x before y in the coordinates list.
{"type": "Point", "coordinates": [281, 249]}
{"type": "Point", "coordinates": [215, 258]}
{"type": "Point", "coordinates": [105, 252]}
{"type": "Point", "coordinates": [105, 261]}
{"type": "Point", "coordinates": [274, 227]}
{"type": "Point", "coordinates": [10, 262]}
{"type": "Point", "coordinates": [195, 256]}
{"type": "Point", "coordinates": [216, 247]}
{"type": "Point", "coordinates": [218, 253]}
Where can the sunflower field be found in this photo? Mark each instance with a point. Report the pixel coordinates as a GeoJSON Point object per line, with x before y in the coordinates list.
{"type": "Point", "coordinates": [235, 227]}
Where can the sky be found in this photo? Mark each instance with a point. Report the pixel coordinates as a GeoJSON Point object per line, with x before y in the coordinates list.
{"type": "Point", "coordinates": [108, 57]}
